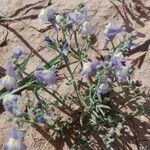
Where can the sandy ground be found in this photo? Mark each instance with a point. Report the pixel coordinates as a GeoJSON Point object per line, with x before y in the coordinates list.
{"type": "Point", "coordinates": [134, 14]}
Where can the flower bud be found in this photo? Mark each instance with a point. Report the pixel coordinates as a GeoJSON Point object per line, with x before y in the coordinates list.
{"type": "Point", "coordinates": [18, 51]}
{"type": "Point", "coordinates": [46, 15]}
{"type": "Point", "coordinates": [86, 71]}
{"type": "Point", "coordinates": [117, 59]}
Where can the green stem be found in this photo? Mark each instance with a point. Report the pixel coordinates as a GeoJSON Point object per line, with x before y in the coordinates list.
{"type": "Point", "coordinates": [98, 84]}
{"type": "Point", "coordinates": [22, 87]}
{"type": "Point", "coordinates": [76, 41]}
{"type": "Point", "coordinates": [72, 77]}
{"type": "Point", "coordinates": [69, 69]}
{"type": "Point", "coordinates": [57, 98]}
{"type": "Point", "coordinates": [78, 48]}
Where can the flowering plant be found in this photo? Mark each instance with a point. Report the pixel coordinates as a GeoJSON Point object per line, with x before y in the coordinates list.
{"type": "Point", "coordinates": [94, 87]}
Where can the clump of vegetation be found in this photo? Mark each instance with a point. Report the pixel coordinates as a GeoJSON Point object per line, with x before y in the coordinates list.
{"type": "Point", "coordinates": [91, 106]}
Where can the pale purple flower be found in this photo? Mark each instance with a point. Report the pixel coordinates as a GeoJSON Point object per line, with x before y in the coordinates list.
{"type": "Point", "coordinates": [9, 106]}
{"type": "Point", "coordinates": [9, 69]}
{"type": "Point", "coordinates": [43, 16]}
{"type": "Point", "coordinates": [120, 67]}
{"type": "Point", "coordinates": [122, 73]}
{"type": "Point", "coordinates": [79, 17]}
{"type": "Point", "coordinates": [86, 71]}
{"type": "Point", "coordinates": [117, 59]}
{"type": "Point", "coordinates": [46, 15]}
{"type": "Point", "coordinates": [51, 14]}
{"type": "Point", "coordinates": [66, 18]}
{"type": "Point", "coordinates": [10, 80]}
{"type": "Point", "coordinates": [9, 103]}
{"type": "Point", "coordinates": [87, 28]}
{"type": "Point", "coordinates": [112, 30]}
{"type": "Point", "coordinates": [104, 88]}
{"type": "Point", "coordinates": [14, 133]}
{"type": "Point", "coordinates": [15, 140]}
{"type": "Point", "coordinates": [95, 64]}
{"type": "Point", "coordinates": [90, 67]}
{"type": "Point", "coordinates": [47, 76]}
{"type": "Point", "coordinates": [18, 51]}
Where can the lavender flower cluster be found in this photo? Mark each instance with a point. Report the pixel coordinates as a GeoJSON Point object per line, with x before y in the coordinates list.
{"type": "Point", "coordinates": [67, 19]}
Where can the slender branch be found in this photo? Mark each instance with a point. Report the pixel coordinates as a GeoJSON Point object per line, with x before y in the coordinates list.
{"type": "Point", "coordinates": [51, 93]}
{"type": "Point", "coordinates": [80, 101]}
{"type": "Point", "coordinates": [79, 51]}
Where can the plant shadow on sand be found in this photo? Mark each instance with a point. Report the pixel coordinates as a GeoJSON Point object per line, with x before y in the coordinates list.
{"type": "Point", "coordinates": [128, 16]}
{"type": "Point", "coordinates": [137, 128]}
{"type": "Point", "coordinates": [135, 135]}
